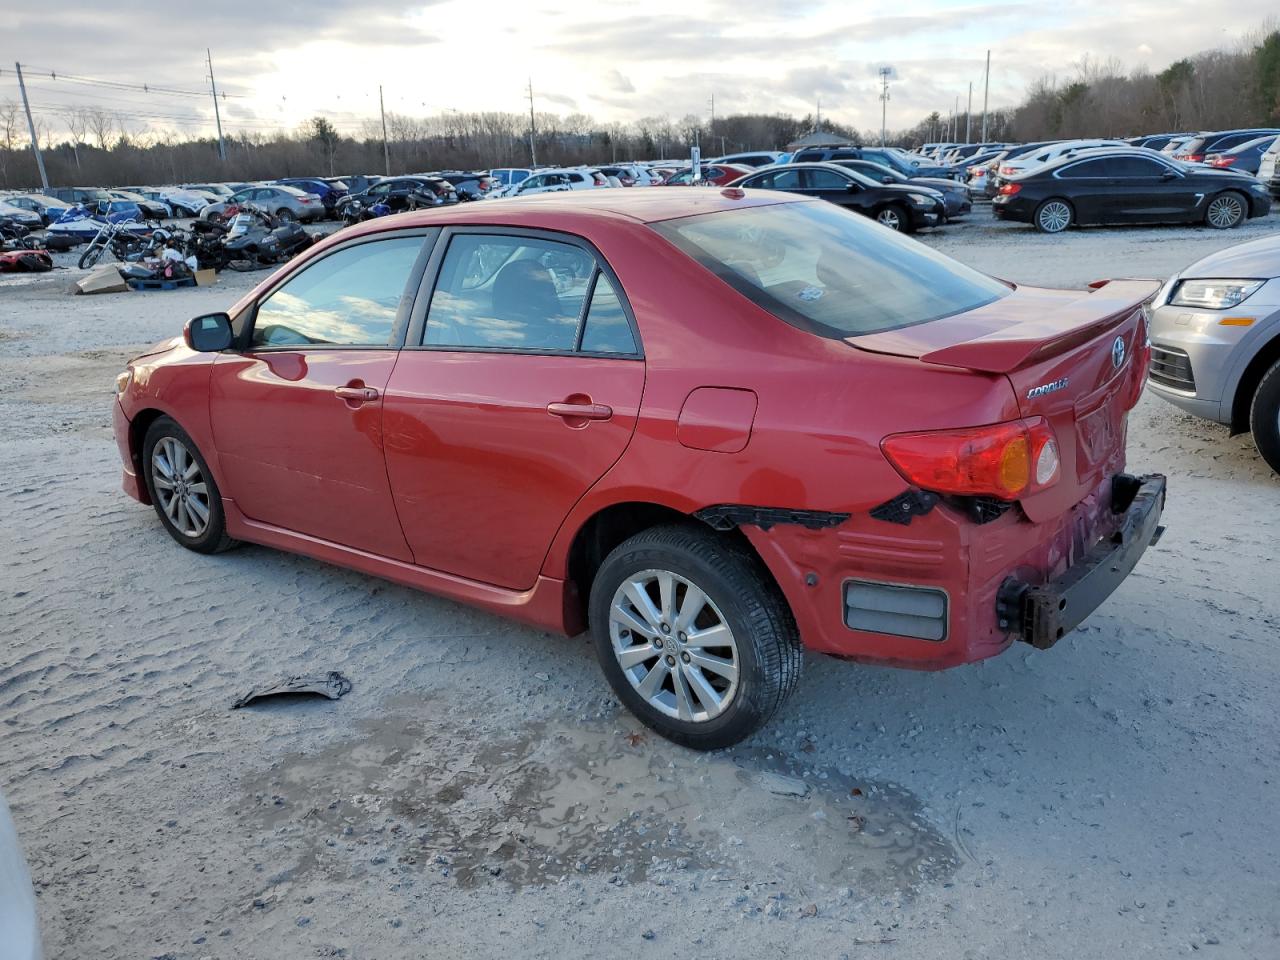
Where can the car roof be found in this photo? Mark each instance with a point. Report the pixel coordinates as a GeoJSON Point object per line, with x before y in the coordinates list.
{"type": "Point", "coordinates": [571, 210]}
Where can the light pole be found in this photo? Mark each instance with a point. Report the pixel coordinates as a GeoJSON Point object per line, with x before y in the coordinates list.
{"type": "Point", "coordinates": [885, 73]}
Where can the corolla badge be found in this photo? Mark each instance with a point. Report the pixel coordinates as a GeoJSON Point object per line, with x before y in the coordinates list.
{"type": "Point", "coordinates": [1117, 353]}
{"type": "Point", "coordinates": [1044, 388]}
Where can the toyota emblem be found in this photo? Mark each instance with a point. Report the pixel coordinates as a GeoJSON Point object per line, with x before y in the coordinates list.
{"type": "Point", "coordinates": [1117, 353]}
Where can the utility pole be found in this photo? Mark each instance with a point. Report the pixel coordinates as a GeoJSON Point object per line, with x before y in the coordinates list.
{"type": "Point", "coordinates": [31, 125]}
{"type": "Point", "coordinates": [968, 113]}
{"type": "Point", "coordinates": [884, 99]}
{"type": "Point", "coordinates": [955, 121]}
{"type": "Point", "coordinates": [386, 151]}
{"type": "Point", "coordinates": [217, 116]}
{"type": "Point", "coordinates": [817, 123]}
{"type": "Point", "coordinates": [986, 88]}
{"type": "Point", "coordinates": [533, 133]}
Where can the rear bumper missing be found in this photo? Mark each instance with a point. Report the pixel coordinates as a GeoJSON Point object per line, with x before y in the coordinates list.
{"type": "Point", "coordinates": [1042, 615]}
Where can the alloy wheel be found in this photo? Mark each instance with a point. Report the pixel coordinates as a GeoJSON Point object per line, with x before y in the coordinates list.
{"type": "Point", "coordinates": [889, 217]}
{"type": "Point", "coordinates": [674, 645]}
{"type": "Point", "coordinates": [180, 487]}
{"type": "Point", "coordinates": [1224, 212]}
{"type": "Point", "coordinates": [1055, 216]}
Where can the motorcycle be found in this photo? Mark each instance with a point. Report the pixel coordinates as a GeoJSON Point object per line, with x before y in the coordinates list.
{"type": "Point", "coordinates": [14, 236]}
{"type": "Point", "coordinates": [252, 240]}
{"type": "Point", "coordinates": [128, 240]}
{"type": "Point", "coordinates": [356, 212]}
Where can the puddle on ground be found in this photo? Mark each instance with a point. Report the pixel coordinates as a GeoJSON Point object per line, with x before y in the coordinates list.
{"type": "Point", "coordinates": [556, 801]}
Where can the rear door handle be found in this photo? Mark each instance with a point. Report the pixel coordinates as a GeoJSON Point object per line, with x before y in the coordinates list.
{"type": "Point", "coordinates": [580, 411]}
{"type": "Point", "coordinates": [356, 394]}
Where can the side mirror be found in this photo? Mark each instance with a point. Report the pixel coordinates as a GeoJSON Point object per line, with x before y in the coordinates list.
{"type": "Point", "coordinates": [886, 179]}
{"type": "Point", "coordinates": [209, 333]}
{"type": "Point", "coordinates": [1168, 175]}
{"type": "Point", "coordinates": [853, 187]}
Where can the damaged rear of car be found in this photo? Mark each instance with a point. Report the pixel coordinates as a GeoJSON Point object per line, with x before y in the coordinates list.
{"type": "Point", "coordinates": [979, 429]}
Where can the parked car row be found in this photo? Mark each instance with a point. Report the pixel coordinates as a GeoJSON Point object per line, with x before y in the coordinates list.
{"type": "Point", "coordinates": [1218, 179]}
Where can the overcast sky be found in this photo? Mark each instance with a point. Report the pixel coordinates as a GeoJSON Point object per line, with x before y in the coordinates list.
{"type": "Point", "coordinates": [289, 59]}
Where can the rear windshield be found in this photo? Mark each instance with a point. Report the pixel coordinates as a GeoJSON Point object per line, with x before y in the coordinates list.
{"type": "Point", "coordinates": [829, 271]}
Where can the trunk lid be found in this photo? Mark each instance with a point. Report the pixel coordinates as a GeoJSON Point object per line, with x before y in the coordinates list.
{"type": "Point", "coordinates": [1070, 358]}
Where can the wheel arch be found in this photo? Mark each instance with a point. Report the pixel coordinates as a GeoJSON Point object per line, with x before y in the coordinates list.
{"type": "Point", "coordinates": [1262, 361]}
{"type": "Point", "coordinates": [617, 522]}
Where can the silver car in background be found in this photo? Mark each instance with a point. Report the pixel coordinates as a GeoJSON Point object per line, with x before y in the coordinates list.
{"type": "Point", "coordinates": [1215, 341]}
{"type": "Point", "coordinates": [19, 928]}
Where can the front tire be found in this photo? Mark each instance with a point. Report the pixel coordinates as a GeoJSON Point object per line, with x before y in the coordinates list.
{"type": "Point", "coordinates": [693, 635]}
{"type": "Point", "coordinates": [182, 489]}
{"type": "Point", "coordinates": [1264, 417]}
{"type": "Point", "coordinates": [91, 256]}
{"type": "Point", "coordinates": [1226, 210]}
{"type": "Point", "coordinates": [1054, 216]}
{"type": "Point", "coordinates": [894, 217]}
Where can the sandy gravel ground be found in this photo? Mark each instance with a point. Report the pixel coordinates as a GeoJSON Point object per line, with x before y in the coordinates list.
{"type": "Point", "coordinates": [480, 794]}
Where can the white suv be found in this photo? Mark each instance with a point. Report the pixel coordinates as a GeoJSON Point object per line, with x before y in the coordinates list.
{"type": "Point", "coordinates": [555, 181]}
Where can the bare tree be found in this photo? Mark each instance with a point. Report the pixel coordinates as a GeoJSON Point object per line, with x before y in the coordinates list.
{"type": "Point", "coordinates": [101, 124]}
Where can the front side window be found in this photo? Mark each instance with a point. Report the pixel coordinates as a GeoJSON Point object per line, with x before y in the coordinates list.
{"type": "Point", "coordinates": [827, 270]}
{"type": "Point", "coordinates": [1135, 167]}
{"type": "Point", "coordinates": [1087, 170]}
{"type": "Point", "coordinates": [782, 179]}
{"type": "Point", "coordinates": [349, 298]}
{"type": "Point", "coordinates": [826, 180]}
{"type": "Point", "coordinates": [515, 293]}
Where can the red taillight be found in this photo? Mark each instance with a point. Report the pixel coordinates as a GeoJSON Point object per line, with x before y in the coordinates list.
{"type": "Point", "coordinates": [1009, 189]}
{"type": "Point", "coordinates": [1004, 460]}
{"type": "Point", "coordinates": [1008, 170]}
{"type": "Point", "coordinates": [1190, 157]}
{"type": "Point", "coordinates": [1221, 162]}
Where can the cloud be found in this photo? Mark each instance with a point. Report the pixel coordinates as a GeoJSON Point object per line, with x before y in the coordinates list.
{"type": "Point", "coordinates": [616, 82]}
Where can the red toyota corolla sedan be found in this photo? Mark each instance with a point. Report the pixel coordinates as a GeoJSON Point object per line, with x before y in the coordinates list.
{"type": "Point", "coordinates": [712, 426]}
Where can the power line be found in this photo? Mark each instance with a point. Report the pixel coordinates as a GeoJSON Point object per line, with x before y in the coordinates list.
{"type": "Point", "coordinates": [119, 84]}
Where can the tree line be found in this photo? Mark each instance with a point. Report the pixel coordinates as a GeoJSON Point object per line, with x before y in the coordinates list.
{"type": "Point", "coordinates": [1217, 89]}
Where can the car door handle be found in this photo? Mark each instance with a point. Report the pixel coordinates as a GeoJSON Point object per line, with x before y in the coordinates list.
{"type": "Point", "coordinates": [580, 411]}
{"type": "Point", "coordinates": [356, 394]}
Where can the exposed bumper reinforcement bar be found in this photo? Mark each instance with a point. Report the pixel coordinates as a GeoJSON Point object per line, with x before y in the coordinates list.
{"type": "Point", "coordinates": [1043, 615]}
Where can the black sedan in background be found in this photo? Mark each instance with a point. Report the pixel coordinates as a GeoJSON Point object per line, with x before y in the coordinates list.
{"type": "Point", "coordinates": [401, 194]}
{"type": "Point", "coordinates": [1116, 186]}
{"type": "Point", "coordinates": [955, 195]}
{"type": "Point", "coordinates": [895, 205]}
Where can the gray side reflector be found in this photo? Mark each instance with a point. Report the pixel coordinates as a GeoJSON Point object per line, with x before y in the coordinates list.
{"type": "Point", "coordinates": [919, 612]}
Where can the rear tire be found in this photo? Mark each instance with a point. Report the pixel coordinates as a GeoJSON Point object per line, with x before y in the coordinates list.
{"type": "Point", "coordinates": [1054, 215]}
{"type": "Point", "coordinates": [182, 489]}
{"type": "Point", "coordinates": [894, 217]}
{"type": "Point", "coordinates": [716, 635]}
{"type": "Point", "coordinates": [285, 215]}
{"type": "Point", "coordinates": [1226, 210]}
{"type": "Point", "coordinates": [1264, 417]}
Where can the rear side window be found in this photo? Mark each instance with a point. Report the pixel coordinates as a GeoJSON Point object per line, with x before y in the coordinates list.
{"type": "Point", "coordinates": [827, 270]}
{"type": "Point", "coordinates": [607, 329]}
{"type": "Point", "coordinates": [349, 298]}
{"type": "Point", "coordinates": [515, 293]}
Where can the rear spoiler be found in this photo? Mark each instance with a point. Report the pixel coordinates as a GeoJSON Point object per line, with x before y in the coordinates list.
{"type": "Point", "coordinates": [1109, 304]}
